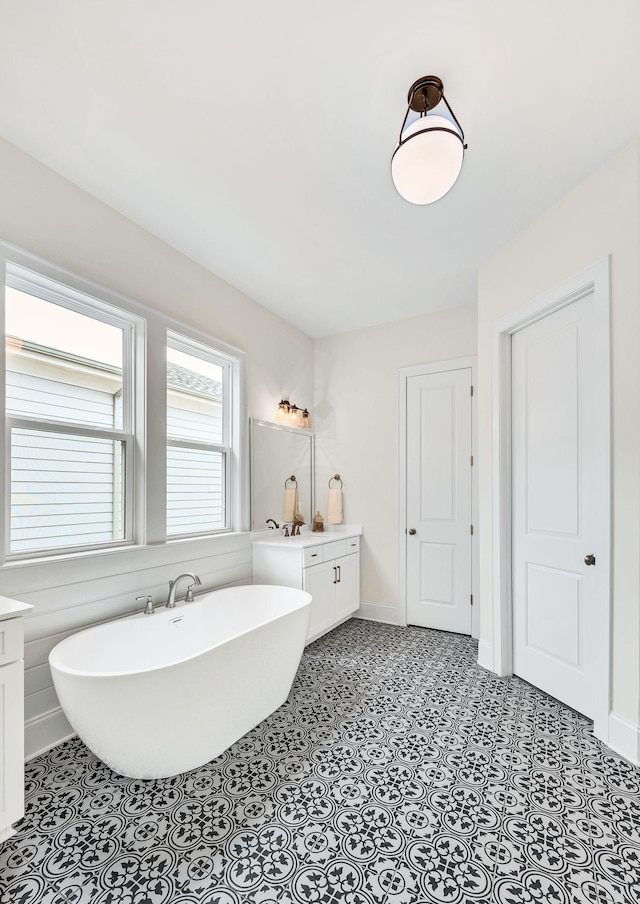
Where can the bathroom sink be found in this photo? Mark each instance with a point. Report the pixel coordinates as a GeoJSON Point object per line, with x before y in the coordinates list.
{"type": "Point", "coordinates": [308, 538]}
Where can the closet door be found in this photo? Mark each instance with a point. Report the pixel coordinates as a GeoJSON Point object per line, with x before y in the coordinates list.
{"type": "Point", "coordinates": [439, 500]}
{"type": "Point", "coordinates": [560, 504]}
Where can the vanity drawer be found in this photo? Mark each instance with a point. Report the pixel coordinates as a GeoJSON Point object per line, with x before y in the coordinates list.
{"type": "Point", "coordinates": [353, 544]}
{"type": "Point", "coordinates": [11, 640]}
{"type": "Point", "coordinates": [334, 550]}
{"type": "Point", "coordinates": [312, 556]}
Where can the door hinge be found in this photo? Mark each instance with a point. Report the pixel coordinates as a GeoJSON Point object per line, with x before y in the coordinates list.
{"type": "Point", "coordinates": [472, 599]}
{"type": "Point", "coordinates": [472, 461]}
{"type": "Point", "coordinates": [471, 392]}
{"type": "Point", "coordinates": [472, 530]}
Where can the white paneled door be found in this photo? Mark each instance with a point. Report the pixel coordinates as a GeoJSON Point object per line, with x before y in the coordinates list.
{"type": "Point", "coordinates": [439, 500]}
{"type": "Point", "coordinates": [558, 498]}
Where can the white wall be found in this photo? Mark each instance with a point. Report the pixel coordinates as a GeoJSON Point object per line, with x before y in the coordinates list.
{"type": "Point", "coordinates": [356, 423]}
{"type": "Point", "coordinates": [50, 217]}
{"type": "Point", "coordinates": [600, 217]}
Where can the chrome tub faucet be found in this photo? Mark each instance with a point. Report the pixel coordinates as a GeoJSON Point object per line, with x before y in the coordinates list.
{"type": "Point", "coordinates": [173, 587]}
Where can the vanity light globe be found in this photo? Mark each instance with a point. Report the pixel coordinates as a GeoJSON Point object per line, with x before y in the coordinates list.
{"type": "Point", "coordinates": [295, 416]}
{"type": "Point", "coordinates": [282, 412]}
{"type": "Point", "coordinates": [428, 162]}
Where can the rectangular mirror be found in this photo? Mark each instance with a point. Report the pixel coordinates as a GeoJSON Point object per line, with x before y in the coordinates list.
{"type": "Point", "coordinates": [278, 453]}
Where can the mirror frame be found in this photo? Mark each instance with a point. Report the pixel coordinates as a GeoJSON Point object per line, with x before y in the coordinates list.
{"type": "Point", "coordinates": [309, 434]}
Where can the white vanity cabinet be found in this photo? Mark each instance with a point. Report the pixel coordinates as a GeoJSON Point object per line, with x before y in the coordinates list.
{"type": "Point", "coordinates": [11, 714]}
{"type": "Point", "coordinates": [325, 565]}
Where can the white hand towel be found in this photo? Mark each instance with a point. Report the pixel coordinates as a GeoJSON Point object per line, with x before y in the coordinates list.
{"type": "Point", "coordinates": [334, 506]}
{"type": "Point", "coordinates": [290, 506]}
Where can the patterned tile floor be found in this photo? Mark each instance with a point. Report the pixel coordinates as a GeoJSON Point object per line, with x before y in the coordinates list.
{"type": "Point", "coordinates": [398, 772]}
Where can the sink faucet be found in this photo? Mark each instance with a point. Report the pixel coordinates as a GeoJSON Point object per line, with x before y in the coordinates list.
{"type": "Point", "coordinates": [298, 521]}
{"type": "Point", "coordinates": [173, 586]}
{"type": "Point", "coordinates": [272, 523]}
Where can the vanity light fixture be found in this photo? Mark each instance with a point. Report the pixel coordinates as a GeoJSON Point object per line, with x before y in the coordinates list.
{"type": "Point", "coordinates": [430, 151]}
{"type": "Point", "coordinates": [288, 413]}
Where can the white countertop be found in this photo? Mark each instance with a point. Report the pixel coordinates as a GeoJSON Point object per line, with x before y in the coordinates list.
{"type": "Point", "coordinates": [12, 608]}
{"type": "Point", "coordinates": [308, 538]}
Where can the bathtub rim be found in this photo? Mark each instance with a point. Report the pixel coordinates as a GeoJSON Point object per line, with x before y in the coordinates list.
{"type": "Point", "coordinates": [64, 669]}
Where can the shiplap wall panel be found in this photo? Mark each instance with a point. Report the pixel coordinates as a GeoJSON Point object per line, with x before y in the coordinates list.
{"type": "Point", "coordinates": [43, 701]}
{"type": "Point", "coordinates": [38, 650]}
{"type": "Point", "coordinates": [50, 617]}
{"type": "Point", "coordinates": [85, 615]}
{"type": "Point", "coordinates": [155, 577]}
{"type": "Point", "coordinates": [37, 679]}
{"type": "Point", "coordinates": [41, 729]}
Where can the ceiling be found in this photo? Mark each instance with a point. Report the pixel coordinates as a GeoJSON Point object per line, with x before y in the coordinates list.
{"type": "Point", "coordinates": [256, 137]}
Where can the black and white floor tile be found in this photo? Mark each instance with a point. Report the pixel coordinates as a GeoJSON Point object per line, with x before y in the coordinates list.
{"type": "Point", "coordinates": [398, 772]}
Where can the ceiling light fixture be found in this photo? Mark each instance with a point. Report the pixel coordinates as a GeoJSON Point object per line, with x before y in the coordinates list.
{"type": "Point", "coordinates": [428, 158]}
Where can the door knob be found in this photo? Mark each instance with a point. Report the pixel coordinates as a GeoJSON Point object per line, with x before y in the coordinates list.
{"type": "Point", "coordinates": [590, 560]}
{"type": "Point", "coordinates": [412, 531]}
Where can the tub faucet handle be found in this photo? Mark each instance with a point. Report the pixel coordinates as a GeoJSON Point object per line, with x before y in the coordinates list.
{"type": "Point", "coordinates": [189, 596]}
{"type": "Point", "coordinates": [148, 599]}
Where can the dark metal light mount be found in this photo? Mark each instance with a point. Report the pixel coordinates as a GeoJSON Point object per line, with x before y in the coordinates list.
{"type": "Point", "coordinates": [425, 94]}
{"type": "Point", "coordinates": [430, 151]}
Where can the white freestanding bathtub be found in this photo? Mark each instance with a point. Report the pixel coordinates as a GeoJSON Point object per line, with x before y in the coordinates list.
{"type": "Point", "coordinates": [156, 695]}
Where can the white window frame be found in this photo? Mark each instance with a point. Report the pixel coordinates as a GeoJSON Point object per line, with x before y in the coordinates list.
{"type": "Point", "coordinates": [148, 407]}
{"type": "Point", "coordinates": [188, 346]}
{"type": "Point", "coordinates": [43, 287]}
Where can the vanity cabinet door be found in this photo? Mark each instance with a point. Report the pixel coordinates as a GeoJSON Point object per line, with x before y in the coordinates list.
{"type": "Point", "coordinates": [348, 586]}
{"type": "Point", "coordinates": [319, 582]}
{"type": "Point", "coordinates": [12, 734]}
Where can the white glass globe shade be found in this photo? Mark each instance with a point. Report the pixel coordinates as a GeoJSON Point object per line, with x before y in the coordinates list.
{"type": "Point", "coordinates": [428, 162]}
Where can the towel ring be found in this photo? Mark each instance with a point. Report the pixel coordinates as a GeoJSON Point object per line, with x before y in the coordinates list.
{"type": "Point", "coordinates": [293, 479]}
{"type": "Point", "coordinates": [335, 477]}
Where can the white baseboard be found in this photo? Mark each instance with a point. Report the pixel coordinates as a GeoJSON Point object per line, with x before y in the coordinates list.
{"type": "Point", "coordinates": [7, 833]}
{"type": "Point", "coordinates": [379, 612]}
{"type": "Point", "coordinates": [324, 631]}
{"type": "Point", "coordinates": [44, 732]}
{"type": "Point", "coordinates": [624, 738]}
{"type": "Point", "coordinates": [485, 655]}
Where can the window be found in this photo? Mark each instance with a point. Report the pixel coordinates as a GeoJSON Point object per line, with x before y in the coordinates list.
{"type": "Point", "coordinates": [68, 417]}
{"type": "Point", "coordinates": [121, 430]}
{"type": "Point", "coordinates": [197, 438]}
